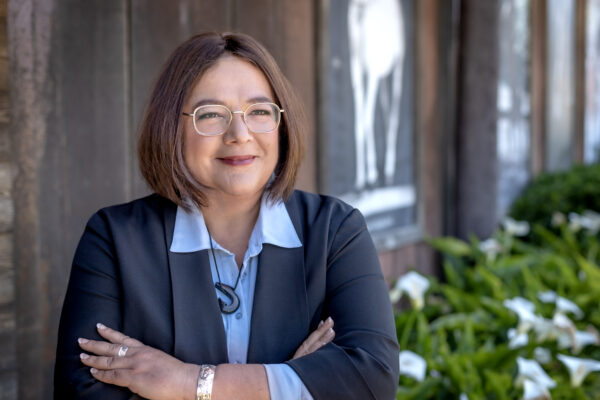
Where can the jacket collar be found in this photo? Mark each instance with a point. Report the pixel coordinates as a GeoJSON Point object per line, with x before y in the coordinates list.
{"type": "Point", "coordinates": [273, 226]}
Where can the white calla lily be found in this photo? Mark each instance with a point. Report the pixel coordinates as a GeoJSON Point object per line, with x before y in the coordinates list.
{"type": "Point", "coordinates": [515, 228]}
{"type": "Point", "coordinates": [584, 338]}
{"type": "Point", "coordinates": [590, 220]}
{"type": "Point", "coordinates": [525, 311]}
{"type": "Point", "coordinates": [491, 247]}
{"type": "Point", "coordinates": [531, 370]}
{"type": "Point", "coordinates": [578, 368]}
{"type": "Point", "coordinates": [566, 330]}
{"type": "Point", "coordinates": [574, 222]}
{"type": "Point", "coordinates": [395, 294]}
{"type": "Point", "coordinates": [567, 306]}
{"type": "Point", "coordinates": [534, 391]}
{"type": "Point", "coordinates": [545, 330]}
{"type": "Point", "coordinates": [569, 337]}
{"type": "Point", "coordinates": [558, 219]}
{"type": "Point", "coordinates": [517, 339]}
{"type": "Point", "coordinates": [548, 296]}
{"type": "Point", "coordinates": [412, 364]}
{"type": "Point", "coordinates": [415, 286]}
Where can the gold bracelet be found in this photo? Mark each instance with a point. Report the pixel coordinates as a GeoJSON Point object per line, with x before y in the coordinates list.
{"type": "Point", "coordinates": [205, 382]}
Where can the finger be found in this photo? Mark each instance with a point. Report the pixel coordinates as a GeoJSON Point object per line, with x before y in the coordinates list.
{"type": "Point", "coordinates": [119, 377]}
{"type": "Point", "coordinates": [115, 336]}
{"type": "Point", "coordinates": [105, 363]}
{"type": "Point", "coordinates": [101, 348]}
{"type": "Point", "coordinates": [328, 337]}
{"type": "Point", "coordinates": [316, 339]}
{"type": "Point", "coordinates": [319, 332]}
{"type": "Point", "coordinates": [322, 340]}
{"type": "Point", "coordinates": [309, 347]}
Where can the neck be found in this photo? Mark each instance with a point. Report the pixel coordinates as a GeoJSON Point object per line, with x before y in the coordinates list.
{"type": "Point", "coordinates": [230, 221]}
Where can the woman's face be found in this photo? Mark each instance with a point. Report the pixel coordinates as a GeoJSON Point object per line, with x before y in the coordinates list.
{"type": "Point", "coordinates": [238, 162]}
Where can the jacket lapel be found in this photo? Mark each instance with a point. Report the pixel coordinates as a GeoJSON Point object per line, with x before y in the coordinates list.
{"type": "Point", "coordinates": [280, 318]}
{"type": "Point", "coordinates": [199, 335]}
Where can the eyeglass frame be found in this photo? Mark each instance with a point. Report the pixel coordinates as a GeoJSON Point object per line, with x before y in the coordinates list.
{"type": "Point", "coordinates": [231, 113]}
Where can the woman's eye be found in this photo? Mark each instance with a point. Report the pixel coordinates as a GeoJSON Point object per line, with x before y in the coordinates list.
{"type": "Point", "coordinates": [208, 116]}
{"type": "Point", "coordinates": [261, 112]}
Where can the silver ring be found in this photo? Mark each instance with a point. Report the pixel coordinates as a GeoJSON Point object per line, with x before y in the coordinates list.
{"type": "Point", "coordinates": [122, 351]}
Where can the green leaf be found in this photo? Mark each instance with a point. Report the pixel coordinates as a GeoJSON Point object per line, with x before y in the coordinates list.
{"type": "Point", "coordinates": [452, 276]}
{"type": "Point", "coordinates": [407, 329]}
{"type": "Point", "coordinates": [451, 246]}
{"type": "Point", "coordinates": [497, 384]}
{"type": "Point", "coordinates": [460, 300]}
{"type": "Point", "coordinates": [423, 390]}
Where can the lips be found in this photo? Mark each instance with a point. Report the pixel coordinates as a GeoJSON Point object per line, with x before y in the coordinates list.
{"type": "Point", "coordinates": [238, 160]}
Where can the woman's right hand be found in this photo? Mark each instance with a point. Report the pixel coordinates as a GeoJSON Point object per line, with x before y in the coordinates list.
{"type": "Point", "coordinates": [319, 338]}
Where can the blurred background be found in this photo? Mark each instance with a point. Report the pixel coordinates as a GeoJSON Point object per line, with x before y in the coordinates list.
{"type": "Point", "coordinates": [430, 116]}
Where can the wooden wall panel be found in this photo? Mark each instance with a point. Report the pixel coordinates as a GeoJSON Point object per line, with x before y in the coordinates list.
{"type": "Point", "coordinates": [298, 61]}
{"type": "Point", "coordinates": [85, 162]}
{"type": "Point", "coordinates": [156, 29]}
{"type": "Point", "coordinates": [281, 26]}
{"type": "Point", "coordinates": [8, 354]}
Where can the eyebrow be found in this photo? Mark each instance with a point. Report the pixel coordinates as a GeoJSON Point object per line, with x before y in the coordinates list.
{"type": "Point", "coordinates": [253, 100]}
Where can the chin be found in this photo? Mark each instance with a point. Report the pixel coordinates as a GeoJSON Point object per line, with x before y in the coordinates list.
{"type": "Point", "coordinates": [244, 191]}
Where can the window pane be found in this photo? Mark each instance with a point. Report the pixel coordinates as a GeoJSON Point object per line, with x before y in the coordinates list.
{"type": "Point", "coordinates": [514, 133]}
{"type": "Point", "coordinates": [592, 84]}
{"type": "Point", "coordinates": [560, 95]}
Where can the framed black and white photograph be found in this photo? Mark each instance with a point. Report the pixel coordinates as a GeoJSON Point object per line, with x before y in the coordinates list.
{"type": "Point", "coordinates": [368, 143]}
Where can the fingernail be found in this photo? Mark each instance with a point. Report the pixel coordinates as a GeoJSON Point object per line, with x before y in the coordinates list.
{"type": "Point", "coordinates": [329, 320]}
{"type": "Point", "coordinates": [100, 326]}
{"type": "Point", "coordinates": [82, 340]}
{"type": "Point", "coordinates": [330, 331]}
{"type": "Point", "coordinates": [93, 370]}
{"type": "Point", "coordinates": [321, 323]}
{"type": "Point", "coordinates": [84, 356]}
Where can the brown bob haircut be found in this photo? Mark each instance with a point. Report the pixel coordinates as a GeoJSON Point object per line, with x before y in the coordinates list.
{"type": "Point", "coordinates": [160, 143]}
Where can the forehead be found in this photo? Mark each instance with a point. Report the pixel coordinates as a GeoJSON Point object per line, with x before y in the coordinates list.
{"type": "Point", "coordinates": [231, 80]}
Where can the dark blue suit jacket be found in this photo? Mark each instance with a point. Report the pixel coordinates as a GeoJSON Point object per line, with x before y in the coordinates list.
{"type": "Point", "coordinates": [124, 276]}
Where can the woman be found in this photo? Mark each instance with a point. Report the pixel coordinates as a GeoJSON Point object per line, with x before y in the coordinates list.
{"type": "Point", "coordinates": [211, 287]}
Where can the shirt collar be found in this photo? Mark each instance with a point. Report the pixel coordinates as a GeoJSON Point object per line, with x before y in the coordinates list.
{"type": "Point", "coordinates": [273, 226]}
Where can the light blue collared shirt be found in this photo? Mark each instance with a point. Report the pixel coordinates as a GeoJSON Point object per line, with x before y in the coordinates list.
{"type": "Point", "coordinates": [273, 226]}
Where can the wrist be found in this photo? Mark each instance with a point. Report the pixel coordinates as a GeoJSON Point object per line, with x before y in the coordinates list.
{"type": "Point", "coordinates": [190, 383]}
{"type": "Point", "coordinates": [204, 386]}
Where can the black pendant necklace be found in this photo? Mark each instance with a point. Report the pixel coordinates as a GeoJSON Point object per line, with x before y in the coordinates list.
{"type": "Point", "coordinates": [227, 290]}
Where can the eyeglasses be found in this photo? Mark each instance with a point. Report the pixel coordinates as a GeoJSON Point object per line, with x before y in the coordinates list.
{"type": "Point", "coordinates": [214, 120]}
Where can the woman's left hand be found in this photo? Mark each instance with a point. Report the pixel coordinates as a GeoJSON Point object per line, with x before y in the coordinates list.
{"type": "Point", "coordinates": [146, 371]}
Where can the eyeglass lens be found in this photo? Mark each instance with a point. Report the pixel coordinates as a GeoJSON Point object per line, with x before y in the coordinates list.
{"type": "Point", "coordinates": [215, 119]}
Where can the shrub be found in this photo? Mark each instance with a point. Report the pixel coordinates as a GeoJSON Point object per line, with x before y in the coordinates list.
{"type": "Point", "coordinates": [575, 190]}
{"type": "Point", "coordinates": [505, 303]}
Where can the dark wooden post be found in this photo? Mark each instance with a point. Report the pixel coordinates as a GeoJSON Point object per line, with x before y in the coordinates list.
{"type": "Point", "coordinates": [477, 117]}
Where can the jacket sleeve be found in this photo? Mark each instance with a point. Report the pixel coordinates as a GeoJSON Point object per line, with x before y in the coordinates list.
{"type": "Point", "coordinates": [362, 361]}
{"type": "Point", "coordinates": [93, 295]}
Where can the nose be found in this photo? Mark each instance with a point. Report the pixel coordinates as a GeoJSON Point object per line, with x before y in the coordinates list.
{"type": "Point", "coordinates": [238, 131]}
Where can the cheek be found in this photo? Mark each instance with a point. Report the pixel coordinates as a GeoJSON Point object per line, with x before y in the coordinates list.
{"type": "Point", "coordinates": [195, 148]}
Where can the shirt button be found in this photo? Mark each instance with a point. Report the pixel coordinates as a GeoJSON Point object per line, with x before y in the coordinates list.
{"type": "Point", "coordinates": [238, 315]}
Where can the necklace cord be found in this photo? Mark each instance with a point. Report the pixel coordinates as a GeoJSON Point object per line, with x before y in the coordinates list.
{"type": "Point", "coordinates": [212, 250]}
